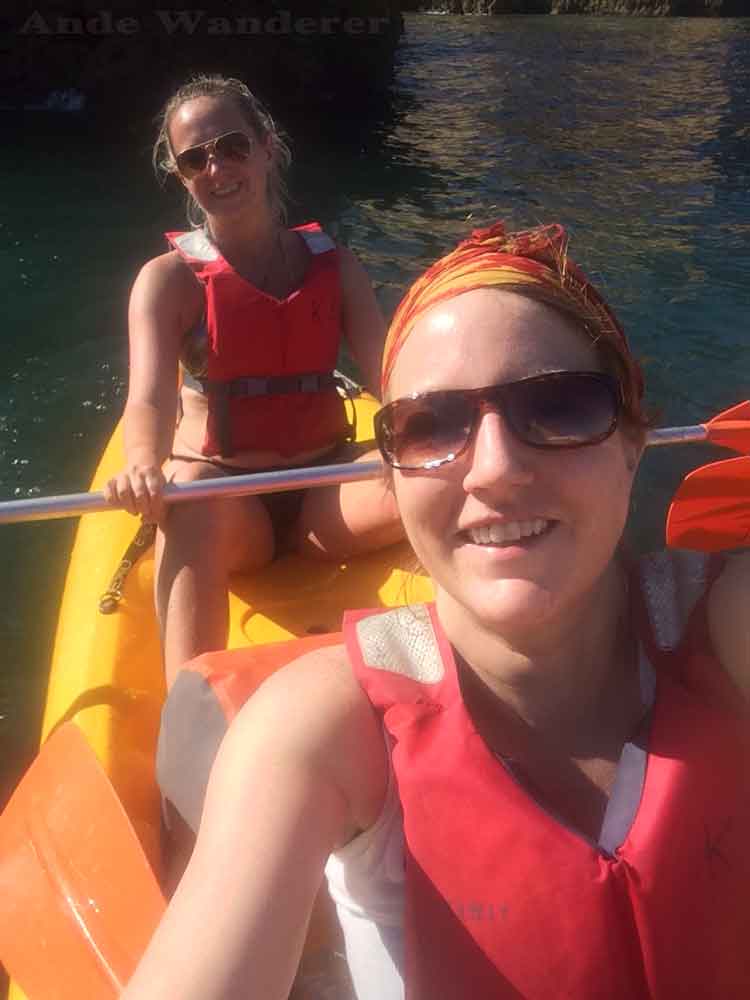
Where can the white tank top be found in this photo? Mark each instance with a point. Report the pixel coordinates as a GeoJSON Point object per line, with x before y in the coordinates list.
{"type": "Point", "coordinates": [366, 882]}
{"type": "Point", "coordinates": [366, 878]}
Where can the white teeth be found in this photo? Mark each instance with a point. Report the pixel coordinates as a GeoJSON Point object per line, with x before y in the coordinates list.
{"type": "Point", "coordinates": [227, 190]}
{"type": "Point", "coordinates": [508, 531]}
{"type": "Point", "coordinates": [512, 531]}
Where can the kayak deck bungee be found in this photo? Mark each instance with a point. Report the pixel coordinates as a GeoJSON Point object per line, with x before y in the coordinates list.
{"type": "Point", "coordinates": [106, 673]}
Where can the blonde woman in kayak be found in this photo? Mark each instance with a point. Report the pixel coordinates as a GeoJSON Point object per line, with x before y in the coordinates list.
{"type": "Point", "coordinates": [254, 313]}
{"type": "Point", "coordinates": [537, 786]}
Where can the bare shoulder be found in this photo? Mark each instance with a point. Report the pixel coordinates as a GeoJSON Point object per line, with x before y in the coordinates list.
{"type": "Point", "coordinates": [355, 280]}
{"type": "Point", "coordinates": [321, 687]}
{"type": "Point", "coordinates": [728, 619]}
{"type": "Point", "coordinates": [168, 273]}
{"type": "Point", "coordinates": [349, 261]}
{"type": "Point", "coordinates": [314, 710]}
{"type": "Point", "coordinates": [166, 298]}
{"type": "Point", "coordinates": [363, 321]}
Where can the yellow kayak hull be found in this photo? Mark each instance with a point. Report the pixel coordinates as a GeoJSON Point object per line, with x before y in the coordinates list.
{"type": "Point", "coordinates": [106, 673]}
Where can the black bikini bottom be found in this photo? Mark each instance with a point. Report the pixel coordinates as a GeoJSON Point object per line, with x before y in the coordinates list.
{"type": "Point", "coordinates": [283, 508]}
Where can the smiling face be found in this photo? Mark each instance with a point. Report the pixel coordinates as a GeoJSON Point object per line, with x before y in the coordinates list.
{"type": "Point", "coordinates": [226, 186]}
{"type": "Point", "coordinates": [568, 506]}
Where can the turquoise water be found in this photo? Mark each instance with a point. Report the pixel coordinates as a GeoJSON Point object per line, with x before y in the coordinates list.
{"type": "Point", "coordinates": [633, 133]}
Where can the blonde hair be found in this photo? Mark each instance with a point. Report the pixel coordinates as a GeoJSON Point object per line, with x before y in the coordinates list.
{"type": "Point", "coordinates": [257, 117]}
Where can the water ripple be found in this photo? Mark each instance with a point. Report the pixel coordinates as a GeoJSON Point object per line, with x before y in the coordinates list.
{"type": "Point", "coordinates": [632, 132]}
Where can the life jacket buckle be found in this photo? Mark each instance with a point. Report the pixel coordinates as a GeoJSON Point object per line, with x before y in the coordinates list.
{"type": "Point", "coordinates": [249, 386]}
{"type": "Point", "coordinates": [309, 383]}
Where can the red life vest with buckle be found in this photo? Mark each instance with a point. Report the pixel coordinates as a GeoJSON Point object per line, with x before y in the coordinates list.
{"type": "Point", "coordinates": [269, 377]}
{"type": "Point", "coordinates": [502, 899]}
{"type": "Point", "coordinates": [505, 901]}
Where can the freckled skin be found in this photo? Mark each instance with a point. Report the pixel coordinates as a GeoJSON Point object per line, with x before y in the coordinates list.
{"type": "Point", "coordinates": [480, 338]}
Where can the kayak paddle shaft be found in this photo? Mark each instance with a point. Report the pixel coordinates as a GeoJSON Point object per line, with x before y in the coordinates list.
{"type": "Point", "coordinates": [281, 480]}
{"type": "Point", "coordinates": [278, 481]}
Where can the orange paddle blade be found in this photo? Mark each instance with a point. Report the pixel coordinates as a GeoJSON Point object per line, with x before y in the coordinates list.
{"type": "Point", "coordinates": [711, 509]}
{"type": "Point", "coordinates": [731, 429]}
{"type": "Point", "coordinates": [78, 900]}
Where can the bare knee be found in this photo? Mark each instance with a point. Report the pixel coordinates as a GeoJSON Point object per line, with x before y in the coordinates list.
{"type": "Point", "coordinates": [342, 522]}
{"type": "Point", "coordinates": [222, 535]}
{"type": "Point", "coordinates": [192, 527]}
{"type": "Point", "coordinates": [197, 522]}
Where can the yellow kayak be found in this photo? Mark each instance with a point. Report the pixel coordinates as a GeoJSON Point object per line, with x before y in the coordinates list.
{"type": "Point", "coordinates": [106, 673]}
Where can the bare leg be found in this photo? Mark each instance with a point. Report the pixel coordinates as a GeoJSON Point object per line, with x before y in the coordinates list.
{"type": "Point", "coordinates": [200, 545]}
{"type": "Point", "coordinates": [341, 521]}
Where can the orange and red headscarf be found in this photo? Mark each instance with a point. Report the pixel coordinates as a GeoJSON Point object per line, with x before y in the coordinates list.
{"type": "Point", "coordinates": [491, 258]}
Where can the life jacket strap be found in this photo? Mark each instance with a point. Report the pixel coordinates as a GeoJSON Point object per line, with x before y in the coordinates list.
{"type": "Point", "coordinates": [267, 385]}
{"type": "Point", "coordinates": [264, 385]}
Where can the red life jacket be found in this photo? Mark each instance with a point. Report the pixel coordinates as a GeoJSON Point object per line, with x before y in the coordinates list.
{"type": "Point", "coordinates": [503, 900]}
{"type": "Point", "coordinates": [269, 384]}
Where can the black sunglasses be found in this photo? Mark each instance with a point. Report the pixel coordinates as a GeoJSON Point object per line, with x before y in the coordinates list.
{"type": "Point", "coordinates": [554, 410]}
{"type": "Point", "coordinates": [235, 146]}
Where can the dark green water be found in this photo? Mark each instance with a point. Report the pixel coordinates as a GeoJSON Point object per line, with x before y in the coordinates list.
{"type": "Point", "coordinates": [634, 133]}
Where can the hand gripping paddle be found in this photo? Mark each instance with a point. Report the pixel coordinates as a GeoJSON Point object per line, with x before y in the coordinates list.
{"type": "Point", "coordinates": [78, 899]}
{"type": "Point", "coordinates": [730, 429]}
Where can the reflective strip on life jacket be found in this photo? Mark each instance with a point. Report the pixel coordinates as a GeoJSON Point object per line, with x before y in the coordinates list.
{"type": "Point", "coordinates": [521, 904]}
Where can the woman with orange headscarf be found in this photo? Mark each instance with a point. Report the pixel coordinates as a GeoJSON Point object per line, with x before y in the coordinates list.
{"type": "Point", "coordinates": [559, 807]}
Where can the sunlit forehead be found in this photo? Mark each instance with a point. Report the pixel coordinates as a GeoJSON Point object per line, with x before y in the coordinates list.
{"type": "Point", "coordinates": [203, 119]}
{"type": "Point", "coordinates": [442, 321]}
{"type": "Point", "coordinates": [488, 336]}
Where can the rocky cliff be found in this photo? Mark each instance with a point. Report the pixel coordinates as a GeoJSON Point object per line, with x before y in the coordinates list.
{"type": "Point", "coordinates": [646, 8]}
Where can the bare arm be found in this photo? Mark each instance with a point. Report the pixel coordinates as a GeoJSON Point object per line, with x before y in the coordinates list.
{"type": "Point", "coordinates": [302, 768]}
{"type": "Point", "coordinates": [728, 619]}
{"type": "Point", "coordinates": [364, 326]}
{"type": "Point", "coordinates": [165, 302]}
